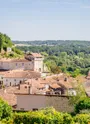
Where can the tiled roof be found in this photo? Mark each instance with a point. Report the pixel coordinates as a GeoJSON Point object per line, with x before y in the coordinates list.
{"type": "Point", "coordinates": [8, 95]}
{"type": "Point", "coordinates": [36, 54]}
{"type": "Point", "coordinates": [14, 60]}
{"type": "Point", "coordinates": [55, 86]}
{"type": "Point", "coordinates": [21, 74]}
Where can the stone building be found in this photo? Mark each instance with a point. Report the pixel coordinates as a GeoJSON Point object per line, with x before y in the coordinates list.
{"type": "Point", "coordinates": [33, 62]}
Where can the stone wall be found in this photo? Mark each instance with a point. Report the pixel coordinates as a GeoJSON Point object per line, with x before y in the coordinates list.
{"type": "Point", "coordinates": [30, 102]}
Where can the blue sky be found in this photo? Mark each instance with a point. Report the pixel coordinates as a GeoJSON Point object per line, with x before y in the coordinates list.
{"type": "Point", "coordinates": [45, 19]}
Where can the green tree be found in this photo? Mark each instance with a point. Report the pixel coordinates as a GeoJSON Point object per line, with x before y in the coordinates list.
{"type": "Point", "coordinates": [2, 40]}
{"type": "Point", "coordinates": [83, 104]}
{"type": "Point", "coordinates": [5, 110]}
{"type": "Point", "coordinates": [80, 93]}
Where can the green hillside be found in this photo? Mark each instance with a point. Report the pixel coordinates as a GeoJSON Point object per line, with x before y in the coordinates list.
{"type": "Point", "coordinates": [5, 44]}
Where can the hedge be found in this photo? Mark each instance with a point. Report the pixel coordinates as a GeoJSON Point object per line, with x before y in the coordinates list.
{"type": "Point", "coordinates": [47, 116]}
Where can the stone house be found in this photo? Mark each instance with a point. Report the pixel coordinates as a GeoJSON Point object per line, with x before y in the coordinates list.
{"type": "Point", "coordinates": [13, 78]}
{"type": "Point", "coordinates": [33, 62]}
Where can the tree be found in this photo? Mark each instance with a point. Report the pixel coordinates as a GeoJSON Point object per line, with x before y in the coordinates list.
{"type": "Point", "coordinates": [83, 104]}
{"type": "Point", "coordinates": [2, 40]}
{"type": "Point", "coordinates": [80, 93]}
{"type": "Point", "coordinates": [5, 110]}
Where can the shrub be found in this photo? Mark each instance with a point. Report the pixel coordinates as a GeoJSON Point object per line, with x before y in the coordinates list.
{"type": "Point", "coordinates": [82, 118]}
{"type": "Point", "coordinates": [83, 104]}
{"type": "Point", "coordinates": [5, 110]}
{"type": "Point", "coordinates": [45, 116]}
{"type": "Point", "coordinates": [67, 119]}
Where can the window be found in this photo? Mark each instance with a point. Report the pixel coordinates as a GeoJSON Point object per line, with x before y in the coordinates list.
{"type": "Point", "coordinates": [14, 79]}
{"type": "Point", "coordinates": [6, 79]}
{"type": "Point", "coordinates": [22, 64]}
{"type": "Point", "coordinates": [21, 108]}
{"type": "Point", "coordinates": [25, 86]}
{"type": "Point", "coordinates": [39, 69]}
{"type": "Point", "coordinates": [10, 83]}
{"type": "Point", "coordinates": [16, 64]}
{"type": "Point", "coordinates": [35, 109]}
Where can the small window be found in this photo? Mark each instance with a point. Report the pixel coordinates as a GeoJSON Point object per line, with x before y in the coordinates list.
{"type": "Point", "coordinates": [10, 83]}
{"type": "Point", "coordinates": [16, 64]}
{"type": "Point", "coordinates": [6, 79]}
{"type": "Point", "coordinates": [22, 64]}
{"type": "Point", "coordinates": [25, 87]}
{"type": "Point", "coordinates": [21, 108]}
{"type": "Point", "coordinates": [35, 109]}
{"type": "Point", "coordinates": [39, 69]}
{"type": "Point", "coordinates": [14, 79]}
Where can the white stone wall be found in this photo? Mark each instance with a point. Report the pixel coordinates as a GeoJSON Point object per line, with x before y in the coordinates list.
{"type": "Point", "coordinates": [17, 65]}
{"type": "Point", "coordinates": [13, 81]}
{"type": "Point", "coordinates": [38, 64]}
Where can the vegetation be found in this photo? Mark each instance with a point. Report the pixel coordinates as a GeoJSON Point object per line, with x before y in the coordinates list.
{"type": "Point", "coordinates": [71, 57]}
{"type": "Point", "coordinates": [6, 42]}
{"type": "Point", "coordinates": [5, 110]}
{"type": "Point", "coordinates": [83, 104]}
{"type": "Point", "coordinates": [45, 116]}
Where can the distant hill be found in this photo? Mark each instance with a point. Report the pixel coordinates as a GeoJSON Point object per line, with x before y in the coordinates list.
{"type": "Point", "coordinates": [53, 42]}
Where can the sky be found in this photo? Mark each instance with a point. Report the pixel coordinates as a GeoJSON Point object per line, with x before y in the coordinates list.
{"type": "Point", "coordinates": [45, 19]}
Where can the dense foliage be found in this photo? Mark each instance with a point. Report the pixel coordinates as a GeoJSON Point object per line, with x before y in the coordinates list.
{"type": "Point", "coordinates": [5, 110]}
{"type": "Point", "coordinates": [83, 105]}
{"type": "Point", "coordinates": [44, 116]}
{"type": "Point", "coordinates": [69, 56]}
{"type": "Point", "coordinates": [6, 42]}
{"type": "Point", "coordinates": [47, 116]}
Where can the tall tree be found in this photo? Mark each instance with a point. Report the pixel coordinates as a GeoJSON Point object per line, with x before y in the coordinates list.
{"type": "Point", "coordinates": [2, 40]}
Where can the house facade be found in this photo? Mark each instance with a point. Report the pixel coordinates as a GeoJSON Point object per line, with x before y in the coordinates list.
{"type": "Point", "coordinates": [23, 64]}
{"type": "Point", "coordinates": [13, 78]}
{"type": "Point", "coordinates": [33, 62]}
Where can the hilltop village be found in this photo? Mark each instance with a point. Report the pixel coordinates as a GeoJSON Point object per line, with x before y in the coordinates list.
{"type": "Point", "coordinates": [26, 83]}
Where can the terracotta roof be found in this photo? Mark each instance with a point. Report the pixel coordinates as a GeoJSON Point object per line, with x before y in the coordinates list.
{"type": "Point", "coordinates": [8, 95]}
{"type": "Point", "coordinates": [40, 83]}
{"type": "Point", "coordinates": [22, 74]}
{"type": "Point", "coordinates": [36, 55]}
{"type": "Point", "coordinates": [14, 60]}
{"type": "Point", "coordinates": [55, 86]}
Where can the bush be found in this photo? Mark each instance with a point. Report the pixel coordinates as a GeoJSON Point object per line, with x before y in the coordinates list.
{"type": "Point", "coordinates": [5, 110]}
{"type": "Point", "coordinates": [82, 118]}
{"type": "Point", "coordinates": [83, 104]}
{"type": "Point", "coordinates": [18, 51]}
{"type": "Point", "coordinates": [45, 116]}
{"type": "Point", "coordinates": [67, 119]}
